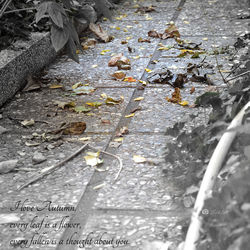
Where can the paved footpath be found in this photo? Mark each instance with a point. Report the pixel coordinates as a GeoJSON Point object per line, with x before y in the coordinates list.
{"type": "Point", "coordinates": [144, 204]}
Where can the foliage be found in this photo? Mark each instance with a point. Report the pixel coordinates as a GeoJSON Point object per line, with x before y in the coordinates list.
{"type": "Point", "coordinates": [19, 19]}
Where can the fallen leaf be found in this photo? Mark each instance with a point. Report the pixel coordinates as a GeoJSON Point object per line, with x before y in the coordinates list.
{"type": "Point", "coordinates": [139, 98]}
{"type": "Point", "coordinates": [80, 109]}
{"type": "Point", "coordinates": [92, 159]}
{"type": "Point", "coordinates": [103, 52]}
{"type": "Point", "coordinates": [64, 105]}
{"type": "Point", "coordinates": [192, 90]}
{"type": "Point", "coordinates": [139, 159]}
{"type": "Point", "coordinates": [106, 121]}
{"type": "Point", "coordinates": [148, 70]}
{"type": "Point", "coordinates": [119, 75]}
{"type": "Point", "coordinates": [183, 103]}
{"type": "Point", "coordinates": [56, 86]}
{"type": "Point", "coordinates": [171, 32]}
{"type": "Point", "coordinates": [94, 104]}
{"type": "Point", "coordinates": [176, 96]}
{"type": "Point", "coordinates": [124, 42]}
{"type": "Point", "coordinates": [120, 139]}
{"type": "Point", "coordinates": [99, 32]}
{"type": "Point", "coordinates": [136, 57]}
{"type": "Point", "coordinates": [99, 186]}
{"type": "Point", "coordinates": [113, 61]}
{"type": "Point", "coordinates": [145, 9]}
{"type": "Point", "coordinates": [74, 128]}
{"type": "Point", "coordinates": [32, 84]}
{"type": "Point", "coordinates": [129, 79]}
{"type": "Point", "coordinates": [84, 90]}
{"type": "Point", "coordinates": [154, 33]}
{"type": "Point", "coordinates": [28, 122]}
{"type": "Point", "coordinates": [84, 139]}
{"type": "Point", "coordinates": [122, 131]}
{"type": "Point", "coordinates": [94, 66]}
{"type": "Point", "coordinates": [76, 85]}
{"type": "Point", "coordinates": [112, 101]}
{"type": "Point", "coordinates": [130, 115]}
{"type": "Point", "coordinates": [103, 96]}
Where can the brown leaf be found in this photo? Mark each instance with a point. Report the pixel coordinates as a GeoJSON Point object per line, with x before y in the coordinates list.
{"type": "Point", "coordinates": [122, 131]}
{"type": "Point", "coordinates": [176, 96]}
{"type": "Point", "coordinates": [31, 84]}
{"type": "Point", "coordinates": [113, 61]}
{"type": "Point", "coordinates": [99, 32]}
{"type": "Point", "coordinates": [192, 90]}
{"type": "Point", "coordinates": [171, 32]}
{"type": "Point", "coordinates": [74, 128]}
{"type": "Point", "coordinates": [119, 75]}
{"type": "Point", "coordinates": [106, 122]}
{"type": "Point", "coordinates": [153, 33]}
{"type": "Point", "coordinates": [145, 9]}
{"type": "Point", "coordinates": [141, 40]}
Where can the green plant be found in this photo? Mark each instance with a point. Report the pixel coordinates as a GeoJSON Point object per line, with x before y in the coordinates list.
{"type": "Point", "coordinates": [17, 20]}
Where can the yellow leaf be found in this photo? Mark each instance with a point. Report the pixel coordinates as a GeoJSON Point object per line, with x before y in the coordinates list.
{"type": "Point", "coordinates": [204, 38]}
{"type": "Point", "coordinates": [143, 82]}
{"type": "Point", "coordinates": [55, 86]}
{"type": "Point", "coordinates": [77, 51]}
{"type": "Point", "coordinates": [120, 139]}
{"type": "Point", "coordinates": [103, 52]}
{"type": "Point", "coordinates": [92, 159]}
{"type": "Point", "coordinates": [131, 115]}
{"type": "Point", "coordinates": [139, 159]}
{"type": "Point", "coordinates": [139, 98]}
{"type": "Point", "coordinates": [76, 85]}
{"type": "Point", "coordinates": [183, 103]}
{"type": "Point", "coordinates": [186, 22]}
{"type": "Point", "coordinates": [103, 96]}
{"type": "Point", "coordinates": [94, 104]}
{"type": "Point", "coordinates": [94, 66]}
{"type": "Point", "coordinates": [148, 70]}
{"type": "Point", "coordinates": [28, 122]}
{"type": "Point", "coordinates": [129, 26]}
{"type": "Point", "coordinates": [128, 37]}
{"type": "Point", "coordinates": [105, 19]}
{"type": "Point", "coordinates": [125, 30]}
{"type": "Point", "coordinates": [117, 28]}
{"type": "Point", "coordinates": [111, 101]}
{"type": "Point", "coordinates": [84, 139]}
{"type": "Point", "coordinates": [136, 57]}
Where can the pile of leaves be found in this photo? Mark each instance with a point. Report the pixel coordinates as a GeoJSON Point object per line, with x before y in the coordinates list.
{"type": "Point", "coordinates": [226, 221]}
{"type": "Point", "coordinates": [19, 18]}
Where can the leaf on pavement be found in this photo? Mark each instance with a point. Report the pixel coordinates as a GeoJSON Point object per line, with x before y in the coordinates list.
{"type": "Point", "coordinates": [84, 90]}
{"type": "Point", "coordinates": [119, 75]}
{"type": "Point", "coordinates": [55, 86]}
{"type": "Point", "coordinates": [129, 79]}
{"type": "Point", "coordinates": [80, 109]}
{"type": "Point", "coordinates": [74, 128]}
{"type": "Point", "coordinates": [94, 104]}
{"type": "Point", "coordinates": [92, 159]}
{"type": "Point", "coordinates": [64, 105]}
{"type": "Point", "coordinates": [139, 159]}
{"type": "Point", "coordinates": [99, 32]}
{"type": "Point", "coordinates": [139, 98]}
{"type": "Point", "coordinates": [76, 85]}
{"type": "Point", "coordinates": [176, 96]}
{"type": "Point", "coordinates": [112, 101]}
{"type": "Point", "coordinates": [171, 32]}
{"type": "Point", "coordinates": [130, 115]}
{"type": "Point", "coordinates": [28, 122]}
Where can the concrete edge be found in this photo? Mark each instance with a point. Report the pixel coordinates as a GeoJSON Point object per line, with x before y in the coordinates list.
{"type": "Point", "coordinates": [32, 60]}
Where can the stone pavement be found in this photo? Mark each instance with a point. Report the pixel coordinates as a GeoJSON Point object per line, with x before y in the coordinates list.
{"type": "Point", "coordinates": [144, 204]}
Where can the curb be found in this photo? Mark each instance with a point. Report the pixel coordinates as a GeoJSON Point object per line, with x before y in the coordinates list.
{"type": "Point", "coordinates": [14, 72]}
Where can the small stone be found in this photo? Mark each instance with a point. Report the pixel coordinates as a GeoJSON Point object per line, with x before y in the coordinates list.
{"type": "Point", "coordinates": [3, 130]}
{"type": "Point", "coordinates": [38, 158]}
{"type": "Point", "coordinates": [7, 166]}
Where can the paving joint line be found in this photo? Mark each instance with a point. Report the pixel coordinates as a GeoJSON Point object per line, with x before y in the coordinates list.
{"type": "Point", "coordinates": [88, 198]}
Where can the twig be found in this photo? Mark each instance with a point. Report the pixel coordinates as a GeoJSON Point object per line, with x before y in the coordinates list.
{"type": "Point", "coordinates": [223, 78]}
{"type": "Point", "coordinates": [116, 157]}
{"type": "Point", "coordinates": [4, 7]}
{"type": "Point", "coordinates": [52, 168]}
{"type": "Point", "coordinates": [18, 10]}
{"type": "Point", "coordinates": [238, 76]}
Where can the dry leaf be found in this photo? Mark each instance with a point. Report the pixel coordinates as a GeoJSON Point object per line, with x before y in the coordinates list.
{"type": "Point", "coordinates": [120, 139]}
{"type": "Point", "coordinates": [106, 121]}
{"type": "Point", "coordinates": [84, 139]}
{"type": "Point", "coordinates": [184, 103]}
{"type": "Point", "coordinates": [94, 104]}
{"type": "Point", "coordinates": [131, 115]}
{"type": "Point", "coordinates": [139, 159]}
{"type": "Point", "coordinates": [192, 90]}
{"type": "Point", "coordinates": [56, 86]}
{"type": "Point", "coordinates": [103, 52]}
{"type": "Point", "coordinates": [119, 75]}
{"type": "Point", "coordinates": [176, 96]}
{"type": "Point", "coordinates": [64, 105]}
{"type": "Point", "coordinates": [31, 84]}
{"type": "Point", "coordinates": [139, 98]}
{"type": "Point", "coordinates": [28, 122]}
{"type": "Point", "coordinates": [74, 128]}
{"type": "Point", "coordinates": [129, 79]}
{"type": "Point", "coordinates": [153, 33]}
{"type": "Point", "coordinates": [84, 90]}
{"type": "Point", "coordinates": [112, 101]}
{"type": "Point", "coordinates": [122, 131]}
{"type": "Point", "coordinates": [113, 61]}
{"type": "Point", "coordinates": [148, 70]}
{"type": "Point", "coordinates": [92, 159]}
{"type": "Point", "coordinates": [80, 109]}
{"type": "Point", "coordinates": [76, 85]}
{"type": "Point", "coordinates": [141, 40]}
{"type": "Point", "coordinates": [99, 32]}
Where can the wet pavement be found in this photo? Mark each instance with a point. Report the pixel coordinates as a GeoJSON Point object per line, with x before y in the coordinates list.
{"type": "Point", "coordinates": [143, 204]}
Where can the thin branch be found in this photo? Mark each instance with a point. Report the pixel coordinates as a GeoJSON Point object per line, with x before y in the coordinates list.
{"type": "Point", "coordinates": [18, 10]}
{"type": "Point", "coordinates": [116, 157]}
{"type": "Point", "coordinates": [52, 168]}
{"type": "Point", "coordinates": [223, 78]}
{"type": "Point", "coordinates": [4, 7]}
{"type": "Point", "coordinates": [247, 72]}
